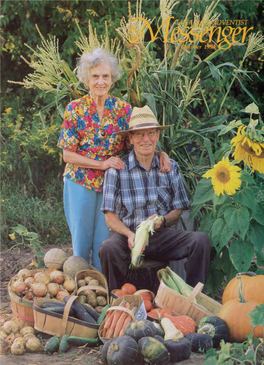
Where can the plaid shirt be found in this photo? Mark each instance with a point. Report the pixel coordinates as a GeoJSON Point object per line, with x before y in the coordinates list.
{"type": "Point", "coordinates": [135, 194]}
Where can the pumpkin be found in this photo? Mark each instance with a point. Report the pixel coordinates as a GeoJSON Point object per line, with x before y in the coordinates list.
{"type": "Point", "coordinates": [183, 323]}
{"type": "Point", "coordinates": [138, 329]}
{"type": "Point", "coordinates": [199, 342]}
{"type": "Point", "coordinates": [122, 350]}
{"type": "Point", "coordinates": [55, 258]}
{"type": "Point", "coordinates": [252, 288]}
{"type": "Point", "coordinates": [154, 313]}
{"type": "Point", "coordinates": [153, 351]}
{"type": "Point", "coordinates": [179, 350]}
{"type": "Point", "coordinates": [74, 264]}
{"type": "Point", "coordinates": [104, 350]}
{"type": "Point", "coordinates": [215, 327]}
{"type": "Point", "coordinates": [235, 314]}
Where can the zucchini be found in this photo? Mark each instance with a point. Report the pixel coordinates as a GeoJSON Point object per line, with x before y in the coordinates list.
{"type": "Point", "coordinates": [52, 345]}
{"type": "Point", "coordinates": [81, 341]}
{"type": "Point", "coordinates": [52, 304]}
{"type": "Point", "coordinates": [91, 311]}
{"type": "Point", "coordinates": [80, 312]}
{"type": "Point", "coordinates": [59, 310]}
{"type": "Point", "coordinates": [103, 314]}
{"type": "Point", "coordinates": [64, 344]}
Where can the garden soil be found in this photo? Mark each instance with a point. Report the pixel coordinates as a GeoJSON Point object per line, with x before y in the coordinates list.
{"type": "Point", "coordinates": [10, 263]}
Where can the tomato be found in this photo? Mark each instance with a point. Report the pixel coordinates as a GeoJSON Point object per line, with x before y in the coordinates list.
{"type": "Point", "coordinates": [118, 293]}
{"type": "Point", "coordinates": [148, 305]}
{"type": "Point", "coordinates": [146, 296]}
{"type": "Point", "coordinates": [129, 288]}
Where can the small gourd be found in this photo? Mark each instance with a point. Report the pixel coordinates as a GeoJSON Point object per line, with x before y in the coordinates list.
{"type": "Point", "coordinates": [122, 350]}
{"type": "Point", "coordinates": [138, 329]}
{"type": "Point", "coordinates": [153, 352]}
{"type": "Point", "coordinates": [171, 332]}
{"type": "Point", "coordinates": [215, 327]}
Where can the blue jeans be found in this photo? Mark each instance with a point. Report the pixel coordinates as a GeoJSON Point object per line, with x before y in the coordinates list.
{"type": "Point", "coordinates": [85, 220]}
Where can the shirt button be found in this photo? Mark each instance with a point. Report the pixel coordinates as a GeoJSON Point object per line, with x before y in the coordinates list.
{"type": "Point", "coordinates": [103, 133]}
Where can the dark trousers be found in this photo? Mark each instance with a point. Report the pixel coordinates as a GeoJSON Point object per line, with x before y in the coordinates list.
{"type": "Point", "coordinates": [165, 244]}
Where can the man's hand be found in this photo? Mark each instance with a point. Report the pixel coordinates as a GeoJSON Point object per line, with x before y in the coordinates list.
{"type": "Point", "coordinates": [157, 223]}
{"type": "Point", "coordinates": [131, 240]}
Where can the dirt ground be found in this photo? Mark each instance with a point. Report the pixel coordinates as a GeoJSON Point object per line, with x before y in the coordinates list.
{"type": "Point", "coordinates": [10, 263]}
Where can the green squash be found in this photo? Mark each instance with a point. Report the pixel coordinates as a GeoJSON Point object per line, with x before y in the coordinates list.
{"type": "Point", "coordinates": [138, 329]}
{"type": "Point", "coordinates": [103, 354]}
{"type": "Point", "coordinates": [122, 350]}
{"type": "Point", "coordinates": [179, 350]}
{"type": "Point", "coordinates": [153, 352]}
{"type": "Point", "coordinates": [215, 327]}
{"type": "Point", "coordinates": [199, 342]}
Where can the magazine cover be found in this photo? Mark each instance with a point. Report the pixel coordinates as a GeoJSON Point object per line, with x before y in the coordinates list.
{"type": "Point", "coordinates": [132, 166]}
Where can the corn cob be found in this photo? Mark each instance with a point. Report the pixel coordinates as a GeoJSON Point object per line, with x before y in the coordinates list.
{"type": "Point", "coordinates": [141, 240]}
{"type": "Point", "coordinates": [167, 280]}
{"type": "Point", "coordinates": [184, 288]}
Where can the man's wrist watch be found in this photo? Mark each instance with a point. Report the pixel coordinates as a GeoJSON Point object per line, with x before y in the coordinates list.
{"type": "Point", "coordinates": [164, 222]}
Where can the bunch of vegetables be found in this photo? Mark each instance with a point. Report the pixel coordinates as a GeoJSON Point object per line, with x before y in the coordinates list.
{"type": "Point", "coordinates": [17, 337]}
{"type": "Point", "coordinates": [117, 320]}
{"type": "Point", "coordinates": [28, 284]}
{"type": "Point", "coordinates": [92, 293]}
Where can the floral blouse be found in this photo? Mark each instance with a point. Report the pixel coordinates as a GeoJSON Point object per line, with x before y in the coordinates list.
{"type": "Point", "coordinates": [82, 132]}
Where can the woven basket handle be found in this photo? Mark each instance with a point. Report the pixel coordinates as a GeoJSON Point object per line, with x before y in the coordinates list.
{"type": "Point", "coordinates": [66, 314]}
{"type": "Point", "coordinates": [196, 290]}
{"type": "Point", "coordinates": [92, 287]}
{"type": "Point", "coordinates": [124, 309]}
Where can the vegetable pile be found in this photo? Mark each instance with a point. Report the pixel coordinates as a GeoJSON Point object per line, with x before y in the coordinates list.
{"type": "Point", "coordinates": [92, 293]}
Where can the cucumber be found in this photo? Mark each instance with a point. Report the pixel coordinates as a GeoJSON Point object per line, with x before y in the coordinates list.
{"type": "Point", "coordinates": [52, 345]}
{"type": "Point", "coordinates": [52, 304]}
{"type": "Point", "coordinates": [59, 310]}
{"type": "Point", "coordinates": [91, 311]}
{"type": "Point", "coordinates": [80, 312]}
{"type": "Point", "coordinates": [64, 344]}
{"type": "Point", "coordinates": [81, 341]}
{"type": "Point", "coordinates": [103, 314]}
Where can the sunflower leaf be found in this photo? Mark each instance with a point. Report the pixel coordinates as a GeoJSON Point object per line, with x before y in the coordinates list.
{"type": "Point", "coordinates": [257, 316]}
{"type": "Point", "coordinates": [246, 177]}
{"type": "Point", "coordinates": [204, 192]}
{"type": "Point", "coordinates": [252, 109]}
{"type": "Point", "coordinates": [245, 197]}
{"type": "Point", "coordinates": [241, 255]}
{"type": "Point", "coordinates": [255, 234]}
{"type": "Point", "coordinates": [221, 234]}
{"type": "Point", "coordinates": [238, 219]}
{"type": "Point", "coordinates": [258, 213]}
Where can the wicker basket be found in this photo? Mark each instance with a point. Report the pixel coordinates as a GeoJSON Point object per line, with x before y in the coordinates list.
{"type": "Point", "coordinates": [60, 324]}
{"type": "Point", "coordinates": [23, 308]}
{"type": "Point", "coordinates": [96, 275]}
{"type": "Point", "coordinates": [169, 298]}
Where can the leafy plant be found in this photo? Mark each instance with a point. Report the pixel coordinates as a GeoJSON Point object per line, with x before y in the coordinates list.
{"type": "Point", "coordinates": [234, 205]}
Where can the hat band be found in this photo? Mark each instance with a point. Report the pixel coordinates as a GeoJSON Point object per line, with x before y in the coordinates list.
{"type": "Point", "coordinates": [154, 125]}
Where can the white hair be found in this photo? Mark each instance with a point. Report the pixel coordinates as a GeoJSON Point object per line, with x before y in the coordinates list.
{"type": "Point", "coordinates": [98, 56]}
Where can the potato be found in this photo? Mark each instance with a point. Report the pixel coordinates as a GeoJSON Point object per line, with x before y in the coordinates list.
{"type": "Point", "coordinates": [80, 283]}
{"type": "Point", "coordinates": [101, 293]}
{"type": "Point", "coordinates": [92, 301]}
{"type": "Point", "coordinates": [89, 292]}
{"type": "Point", "coordinates": [101, 301]}
{"type": "Point", "coordinates": [87, 279]}
{"type": "Point", "coordinates": [94, 282]}
{"type": "Point", "coordinates": [99, 309]}
{"type": "Point", "coordinates": [81, 299]}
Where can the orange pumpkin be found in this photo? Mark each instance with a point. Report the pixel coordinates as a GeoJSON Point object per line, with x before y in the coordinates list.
{"type": "Point", "coordinates": [235, 313]}
{"type": "Point", "coordinates": [252, 288]}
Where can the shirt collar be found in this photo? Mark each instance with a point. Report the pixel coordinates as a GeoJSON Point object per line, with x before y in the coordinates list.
{"type": "Point", "coordinates": [133, 162]}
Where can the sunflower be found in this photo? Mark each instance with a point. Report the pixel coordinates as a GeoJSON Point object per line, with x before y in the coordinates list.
{"type": "Point", "coordinates": [252, 152]}
{"type": "Point", "coordinates": [225, 177]}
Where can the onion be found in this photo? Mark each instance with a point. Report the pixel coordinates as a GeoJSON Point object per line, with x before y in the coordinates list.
{"type": "Point", "coordinates": [42, 277]}
{"type": "Point", "coordinates": [26, 330]}
{"type": "Point", "coordinates": [27, 336]}
{"type": "Point", "coordinates": [39, 289]}
{"type": "Point", "coordinates": [10, 327]}
{"type": "Point", "coordinates": [18, 348]}
{"type": "Point", "coordinates": [33, 344]}
{"type": "Point", "coordinates": [20, 339]}
{"type": "Point", "coordinates": [28, 296]}
{"type": "Point", "coordinates": [29, 280]}
{"type": "Point", "coordinates": [18, 286]}
{"type": "Point", "coordinates": [21, 323]}
{"type": "Point", "coordinates": [10, 338]}
{"type": "Point", "coordinates": [69, 284]}
{"type": "Point", "coordinates": [53, 289]}
{"type": "Point", "coordinates": [23, 274]}
{"type": "Point", "coordinates": [57, 277]}
{"type": "Point", "coordinates": [4, 346]}
{"type": "Point", "coordinates": [61, 294]}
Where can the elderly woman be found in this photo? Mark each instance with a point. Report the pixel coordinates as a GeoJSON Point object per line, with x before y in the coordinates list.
{"type": "Point", "coordinates": [90, 146]}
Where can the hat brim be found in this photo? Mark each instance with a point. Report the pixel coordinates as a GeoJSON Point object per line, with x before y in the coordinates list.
{"type": "Point", "coordinates": [160, 128]}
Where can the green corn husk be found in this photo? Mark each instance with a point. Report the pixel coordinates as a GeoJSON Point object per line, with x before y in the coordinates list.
{"type": "Point", "coordinates": [141, 240]}
{"type": "Point", "coordinates": [167, 280]}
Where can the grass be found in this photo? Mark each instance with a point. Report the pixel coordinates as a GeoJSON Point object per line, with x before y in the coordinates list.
{"type": "Point", "coordinates": [42, 214]}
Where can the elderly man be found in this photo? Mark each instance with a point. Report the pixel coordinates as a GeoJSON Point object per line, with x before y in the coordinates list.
{"type": "Point", "coordinates": [141, 191]}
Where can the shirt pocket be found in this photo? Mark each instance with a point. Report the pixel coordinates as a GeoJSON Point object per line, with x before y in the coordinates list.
{"type": "Point", "coordinates": [164, 197]}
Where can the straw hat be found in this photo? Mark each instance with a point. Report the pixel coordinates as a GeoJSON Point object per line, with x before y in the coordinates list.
{"type": "Point", "coordinates": [142, 118]}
